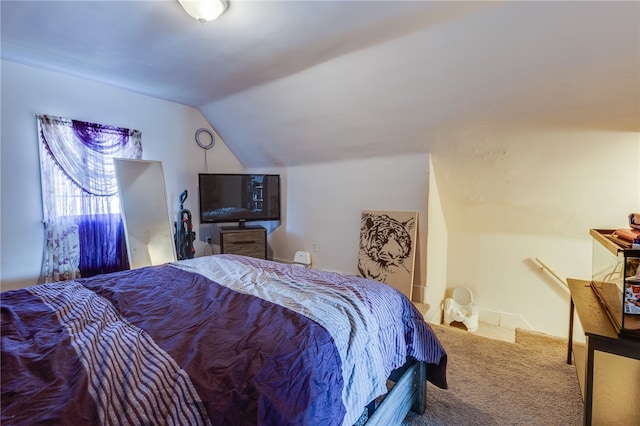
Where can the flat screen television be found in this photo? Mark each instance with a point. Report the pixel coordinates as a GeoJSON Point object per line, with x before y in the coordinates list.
{"type": "Point", "coordinates": [228, 197]}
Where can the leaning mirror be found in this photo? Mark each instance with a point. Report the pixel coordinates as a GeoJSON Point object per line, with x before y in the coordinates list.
{"type": "Point", "coordinates": [144, 211]}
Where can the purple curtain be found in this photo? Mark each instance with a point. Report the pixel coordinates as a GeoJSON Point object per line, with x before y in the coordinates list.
{"type": "Point", "coordinates": [84, 230]}
{"type": "Point", "coordinates": [103, 247]}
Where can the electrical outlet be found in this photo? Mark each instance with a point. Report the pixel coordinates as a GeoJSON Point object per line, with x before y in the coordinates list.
{"type": "Point", "coordinates": [314, 247]}
{"type": "Point", "coordinates": [208, 240]}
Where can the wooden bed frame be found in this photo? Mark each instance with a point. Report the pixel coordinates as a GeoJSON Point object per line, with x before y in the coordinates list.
{"type": "Point", "coordinates": [408, 393]}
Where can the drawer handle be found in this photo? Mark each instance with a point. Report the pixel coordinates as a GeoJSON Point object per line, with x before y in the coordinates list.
{"type": "Point", "coordinates": [245, 242]}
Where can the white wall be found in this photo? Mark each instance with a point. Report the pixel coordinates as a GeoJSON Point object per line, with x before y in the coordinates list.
{"type": "Point", "coordinates": [534, 193]}
{"type": "Point", "coordinates": [167, 128]}
{"type": "Point", "coordinates": [437, 243]}
{"type": "Point", "coordinates": [324, 202]}
{"type": "Point", "coordinates": [321, 203]}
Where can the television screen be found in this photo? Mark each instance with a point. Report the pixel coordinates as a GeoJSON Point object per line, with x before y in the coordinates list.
{"type": "Point", "coordinates": [226, 197]}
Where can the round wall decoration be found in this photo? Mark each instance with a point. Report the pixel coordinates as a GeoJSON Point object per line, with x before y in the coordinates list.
{"type": "Point", "coordinates": [211, 139]}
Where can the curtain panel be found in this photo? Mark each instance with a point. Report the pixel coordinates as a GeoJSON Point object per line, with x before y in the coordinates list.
{"type": "Point", "coordinates": [81, 208]}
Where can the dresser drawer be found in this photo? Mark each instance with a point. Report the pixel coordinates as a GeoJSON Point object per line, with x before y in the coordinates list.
{"type": "Point", "coordinates": [249, 241]}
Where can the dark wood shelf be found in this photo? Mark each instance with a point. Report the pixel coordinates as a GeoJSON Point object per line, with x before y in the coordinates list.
{"type": "Point", "coordinates": [591, 312]}
{"type": "Point", "coordinates": [601, 335]}
{"type": "Point", "coordinates": [609, 292]}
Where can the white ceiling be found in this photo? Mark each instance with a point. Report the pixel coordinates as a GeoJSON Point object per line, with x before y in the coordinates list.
{"type": "Point", "coordinates": [307, 81]}
{"type": "Point", "coordinates": [297, 82]}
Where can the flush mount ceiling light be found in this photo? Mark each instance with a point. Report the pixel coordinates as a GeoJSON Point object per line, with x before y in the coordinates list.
{"type": "Point", "coordinates": [204, 10]}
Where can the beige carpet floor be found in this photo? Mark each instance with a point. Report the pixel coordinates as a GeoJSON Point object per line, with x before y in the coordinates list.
{"type": "Point", "coordinates": [493, 382]}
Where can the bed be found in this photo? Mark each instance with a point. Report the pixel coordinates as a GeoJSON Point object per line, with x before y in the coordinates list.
{"type": "Point", "coordinates": [221, 339]}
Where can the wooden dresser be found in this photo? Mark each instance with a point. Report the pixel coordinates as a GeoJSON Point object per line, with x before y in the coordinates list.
{"type": "Point", "coordinates": [249, 241]}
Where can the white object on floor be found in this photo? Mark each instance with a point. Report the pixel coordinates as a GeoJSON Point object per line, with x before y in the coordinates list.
{"type": "Point", "coordinates": [302, 258]}
{"type": "Point", "coordinates": [461, 308]}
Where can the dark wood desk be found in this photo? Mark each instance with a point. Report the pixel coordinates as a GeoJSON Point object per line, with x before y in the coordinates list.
{"type": "Point", "coordinates": [600, 335]}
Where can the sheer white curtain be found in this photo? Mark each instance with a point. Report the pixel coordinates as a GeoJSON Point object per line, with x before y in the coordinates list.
{"type": "Point", "coordinates": [79, 195]}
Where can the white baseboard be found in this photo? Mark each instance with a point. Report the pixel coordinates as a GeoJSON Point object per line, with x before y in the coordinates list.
{"type": "Point", "coordinates": [434, 315]}
{"type": "Point", "coordinates": [503, 319]}
{"type": "Point", "coordinates": [489, 316]}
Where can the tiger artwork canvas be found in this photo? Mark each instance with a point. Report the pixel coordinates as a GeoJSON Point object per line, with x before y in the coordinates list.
{"type": "Point", "coordinates": [387, 248]}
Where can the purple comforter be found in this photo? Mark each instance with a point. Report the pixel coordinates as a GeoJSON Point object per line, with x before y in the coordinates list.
{"type": "Point", "coordinates": [161, 345]}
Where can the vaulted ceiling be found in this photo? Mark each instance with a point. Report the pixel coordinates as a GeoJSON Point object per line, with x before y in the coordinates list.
{"type": "Point", "coordinates": [296, 82]}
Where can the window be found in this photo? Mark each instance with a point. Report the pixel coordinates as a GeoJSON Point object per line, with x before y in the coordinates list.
{"type": "Point", "coordinates": [81, 208]}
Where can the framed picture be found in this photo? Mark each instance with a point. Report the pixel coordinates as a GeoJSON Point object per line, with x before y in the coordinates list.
{"type": "Point", "coordinates": [387, 248]}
